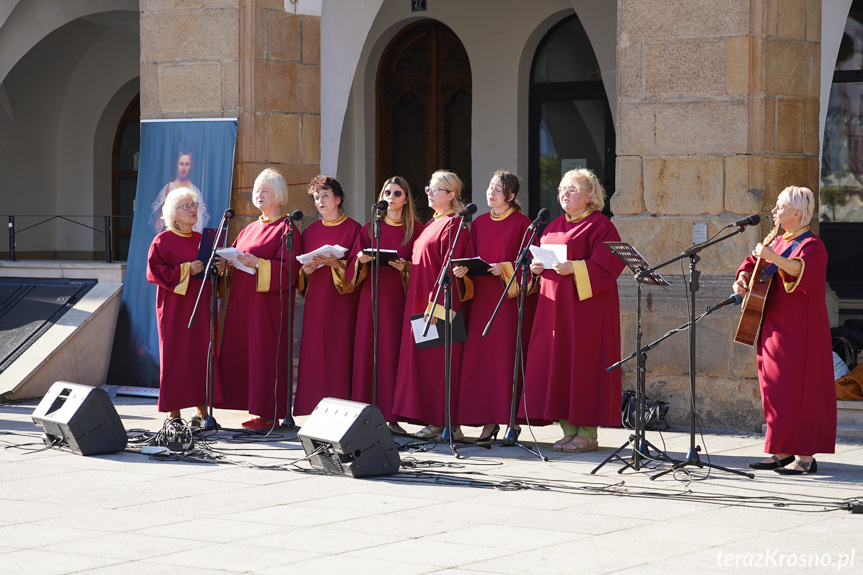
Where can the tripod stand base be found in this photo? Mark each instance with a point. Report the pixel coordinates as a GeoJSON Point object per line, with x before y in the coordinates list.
{"type": "Point", "coordinates": [510, 439]}
{"type": "Point", "coordinates": [289, 423]}
{"type": "Point", "coordinates": [693, 459]}
{"type": "Point", "coordinates": [210, 424]}
{"type": "Point", "coordinates": [640, 450]}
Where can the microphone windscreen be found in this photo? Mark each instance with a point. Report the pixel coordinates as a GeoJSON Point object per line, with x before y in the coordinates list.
{"type": "Point", "coordinates": [229, 213]}
{"type": "Point", "coordinates": [754, 219]}
{"type": "Point", "coordinates": [297, 215]}
{"type": "Point", "coordinates": [382, 205]}
{"type": "Point", "coordinates": [470, 209]}
{"type": "Point", "coordinates": [543, 214]}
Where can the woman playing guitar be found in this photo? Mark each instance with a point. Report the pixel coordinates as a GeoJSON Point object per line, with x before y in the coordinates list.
{"type": "Point", "coordinates": [795, 370]}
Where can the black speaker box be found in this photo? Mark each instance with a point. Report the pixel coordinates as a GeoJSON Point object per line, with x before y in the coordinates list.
{"type": "Point", "coordinates": [344, 437]}
{"type": "Point", "coordinates": [80, 418]}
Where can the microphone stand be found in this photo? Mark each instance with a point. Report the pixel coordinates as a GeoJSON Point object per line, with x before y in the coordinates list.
{"type": "Point", "coordinates": [444, 282]}
{"type": "Point", "coordinates": [288, 238]}
{"type": "Point", "coordinates": [692, 457]}
{"type": "Point", "coordinates": [213, 275]}
{"type": "Point", "coordinates": [510, 439]}
{"type": "Point", "coordinates": [376, 292]}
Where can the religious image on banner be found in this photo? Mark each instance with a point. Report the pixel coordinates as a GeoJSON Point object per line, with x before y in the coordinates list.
{"type": "Point", "coordinates": [194, 154]}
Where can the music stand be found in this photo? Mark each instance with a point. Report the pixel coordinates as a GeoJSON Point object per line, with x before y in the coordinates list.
{"type": "Point", "coordinates": [643, 274]}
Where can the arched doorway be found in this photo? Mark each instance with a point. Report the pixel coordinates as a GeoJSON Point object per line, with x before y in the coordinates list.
{"type": "Point", "coordinates": [423, 109]}
{"type": "Point", "coordinates": [570, 120]}
{"type": "Point", "coordinates": [124, 177]}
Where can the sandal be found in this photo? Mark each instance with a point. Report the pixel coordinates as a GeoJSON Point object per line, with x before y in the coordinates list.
{"type": "Point", "coordinates": [563, 442]}
{"type": "Point", "coordinates": [581, 445]}
{"type": "Point", "coordinates": [774, 464]}
{"type": "Point", "coordinates": [808, 468]}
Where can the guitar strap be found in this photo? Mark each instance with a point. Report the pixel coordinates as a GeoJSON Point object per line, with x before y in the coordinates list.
{"type": "Point", "coordinates": [772, 268]}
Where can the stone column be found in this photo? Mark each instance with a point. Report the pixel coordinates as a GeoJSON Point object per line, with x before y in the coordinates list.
{"type": "Point", "coordinates": [717, 113]}
{"type": "Point", "coordinates": [239, 58]}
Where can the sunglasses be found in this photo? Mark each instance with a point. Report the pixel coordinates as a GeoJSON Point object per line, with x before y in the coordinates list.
{"type": "Point", "coordinates": [394, 193]}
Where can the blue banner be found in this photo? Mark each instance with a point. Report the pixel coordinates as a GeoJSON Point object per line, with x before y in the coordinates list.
{"type": "Point", "coordinates": [198, 154]}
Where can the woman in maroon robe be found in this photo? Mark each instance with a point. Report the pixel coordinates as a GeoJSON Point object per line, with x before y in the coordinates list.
{"type": "Point", "coordinates": [420, 388]}
{"type": "Point", "coordinates": [330, 312]}
{"type": "Point", "coordinates": [255, 364]}
{"type": "Point", "coordinates": [183, 352]}
{"type": "Point", "coordinates": [485, 392]}
{"type": "Point", "coordinates": [576, 328]}
{"type": "Point", "coordinates": [795, 365]}
{"type": "Point", "coordinates": [399, 230]}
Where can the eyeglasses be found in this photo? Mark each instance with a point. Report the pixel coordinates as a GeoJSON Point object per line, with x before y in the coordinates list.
{"type": "Point", "coordinates": [189, 207]}
{"type": "Point", "coordinates": [431, 191]}
{"type": "Point", "coordinates": [569, 190]}
{"type": "Point", "coordinates": [394, 193]}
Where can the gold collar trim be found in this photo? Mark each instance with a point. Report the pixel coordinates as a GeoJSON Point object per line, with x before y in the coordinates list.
{"type": "Point", "coordinates": [182, 234]}
{"type": "Point", "coordinates": [393, 222]}
{"type": "Point", "coordinates": [503, 216]}
{"type": "Point", "coordinates": [335, 222]}
{"type": "Point", "coordinates": [438, 216]}
{"type": "Point", "coordinates": [266, 221]}
{"type": "Point", "coordinates": [578, 218]}
{"type": "Point", "coordinates": [788, 237]}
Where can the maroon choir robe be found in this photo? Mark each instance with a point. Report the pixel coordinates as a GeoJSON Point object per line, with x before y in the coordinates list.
{"type": "Point", "coordinates": [391, 311]}
{"type": "Point", "coordinates": [420, 383]}
{"type": "Point", "coordinates": [329, 320]}
{"type": "Point", "coordinates": [576, 330]}
{"type": "Point", "coordinates": [485, 391]}
{"type": "Point", "coordinates": [795, 360]}
{"type": "Point", "coordinates": [255, 361]}
{"type": "Point", "coordinates": [182, 352]}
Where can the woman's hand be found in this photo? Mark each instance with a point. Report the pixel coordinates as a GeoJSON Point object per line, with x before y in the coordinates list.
{"type": "Point", "coordinates": [459, 271]}
{"type": "Point", "coordinates": [564, 269]}
{"type": "Point", "coordinates": [426, 318]}
{"type": "Point", "coordinates": [765, 253]}
{"type": "Point", "coordinates": [399, 264]}
{"type": "Point", "coordinates": [197, 267]}
{"type": "Point", "coordinates": [220, 264]}
{"type": "Point", "coordinates": [495, 269]}
{"type": "Point", "coordinates": [310, 268]}
{"type": "Point", "coordinates": [536, 267]}
{"type": "Point", "coordinates": [364, 258]}
{"type": "Point", "coordinates": [741, 286]}
{"type": "Point", "coordinates": [248, 260]}
{"type": "Point", "coordinates": [329, 261]}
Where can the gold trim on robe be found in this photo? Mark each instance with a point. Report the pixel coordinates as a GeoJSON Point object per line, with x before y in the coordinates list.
{"type": "Point", "coordinates": [340, 279]}
{"type": "Point", "coordinates": [579, 217]}
{"type": "Point", "coordinates": [335, 222]}
{"type": "Point", "coordinates": [789, 282]}
{"type": "Point", "coordinates": [438, 216]}
{"type": "Point", "coordinates": [508, 272]}
{"type": "Point", "coordinates": [791, 237]}
{"type": "Point", "coordinates": [185, 276]}
{"type": "Point", "coordinates": [406, 276]}
{"type": "Point", "coordinates": [302, 283]}
{"type": "Point", "coordinates": [267, 222]}
{"type": "Point", "coordinates": [263, 275]}
{"type": "Point", "coordinates": [503, 216]}
{"type": "Point", "coordinates": [438, 311]}
{"type": "Point", "coordinates": [582, 280]}
{"type": "Point", "coordinates": [465, 288]}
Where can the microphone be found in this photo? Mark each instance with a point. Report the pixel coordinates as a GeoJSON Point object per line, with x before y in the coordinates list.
{"type": "Point", "coordinates": [543, 215]}
{"type": "Point", "coordinates": [229, 213]}
{"type": "Point", "coordinates": [296, 216]}
{"type": "Point", "coordinates": [752, 220]}
{"type": "Point", "coordinates": [381, 206]}
{"type": "Point", "coordinates": [733, 299]}
{"type": "Point", "coordinates": [469, 210]}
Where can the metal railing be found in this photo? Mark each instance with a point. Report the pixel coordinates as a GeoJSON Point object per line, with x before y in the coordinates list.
{"type": "Point", "coordinates": [107, 230]}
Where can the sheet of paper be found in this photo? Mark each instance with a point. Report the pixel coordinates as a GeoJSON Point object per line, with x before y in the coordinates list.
{"type": "Point", "coordinates": [549, 254]}
{"type": "Point", "coordinates": [327, 250]}
{"type": "Point", "coordinates": [231, 254]}
{"type": "Point", "coordinates": [418, 325]}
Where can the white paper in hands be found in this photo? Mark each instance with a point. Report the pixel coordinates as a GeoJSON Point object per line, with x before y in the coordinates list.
{"type": "Point", "coordinates": [549, 254]}
{"type": "Point", "coordinates": [323, 251]}
{"type": "Point", "coordinates": [418, 325]}
{"type": "Point", "coordinates": [231, 254]}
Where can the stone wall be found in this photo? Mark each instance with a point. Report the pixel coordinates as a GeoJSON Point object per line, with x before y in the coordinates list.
{"type": "Point", "coordinates": [717, 112]}
{"type": "Point", "coordinates": [247, 59]}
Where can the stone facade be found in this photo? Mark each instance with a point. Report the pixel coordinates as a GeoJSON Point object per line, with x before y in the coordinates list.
{"type": "Point", "coordinates": [717, 113]}
{"type": "Point", "coordinates": [247, 59]}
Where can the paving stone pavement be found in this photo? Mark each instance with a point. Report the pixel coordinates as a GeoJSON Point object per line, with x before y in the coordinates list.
{"type": "Point", "coordinates": [260, 508]}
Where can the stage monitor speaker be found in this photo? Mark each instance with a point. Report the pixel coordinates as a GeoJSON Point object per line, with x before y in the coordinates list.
{"type": "Point", "coordinates": [80, 418]}
{"type": "Point", "coordinates": [344, 437]}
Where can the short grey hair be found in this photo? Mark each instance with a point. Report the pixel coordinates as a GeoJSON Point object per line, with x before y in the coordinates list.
{"type": "Point", "coordinates": [172, 201]}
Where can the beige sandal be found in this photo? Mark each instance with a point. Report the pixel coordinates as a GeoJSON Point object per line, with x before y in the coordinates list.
{"type": "Point", "coordinates": [581, 445]}
{"type": "Point", "coordinates": [563, 442]}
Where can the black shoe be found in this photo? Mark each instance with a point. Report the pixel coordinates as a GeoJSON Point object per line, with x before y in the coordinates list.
{"type": "Point", "coordinates": [808, 468]}
{"type": "Point", "coordinates": [490, 436]}
{"type": "Point", "coordinates": [776, 463]}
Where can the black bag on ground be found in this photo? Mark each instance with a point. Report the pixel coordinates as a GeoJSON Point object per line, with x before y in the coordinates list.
{"type": "Point", "coordinates": [654, 412]}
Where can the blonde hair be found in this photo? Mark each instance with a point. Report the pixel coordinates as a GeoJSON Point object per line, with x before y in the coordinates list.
{"type": "Point", "coordinates": [277, 181]}
{"type": "Point", "coordinates": [451, 183]}
{"type": "Point", "coordinates": [583, 176]}
{"type": "Point", "coordinates": [172, 201]}
{"type": "Point", "coordinates": [799, 198]}
{"type": "Point", "coordinates": [409, 213]}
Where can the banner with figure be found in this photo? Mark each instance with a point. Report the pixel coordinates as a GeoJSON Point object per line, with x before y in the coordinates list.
{"type": "Point", "coordinates": [199, 155]}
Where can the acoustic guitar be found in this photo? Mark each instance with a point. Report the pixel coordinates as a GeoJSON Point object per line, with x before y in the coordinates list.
{"type": "Point", "coordinates": [755, 299]}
